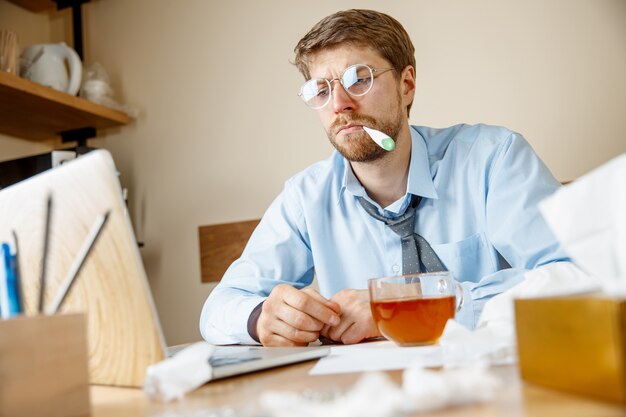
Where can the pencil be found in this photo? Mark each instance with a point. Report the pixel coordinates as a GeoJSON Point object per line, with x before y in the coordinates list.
{"type": "Point", "coordinates": [44, 255]}
{"type": "Point", "coordinates": [79, 261]}
{"type": "Point", "coordinates": [18, 274]}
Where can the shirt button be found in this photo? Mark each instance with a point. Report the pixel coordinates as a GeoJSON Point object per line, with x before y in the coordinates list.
{"type": "Point", "coordinates": [395, 268]}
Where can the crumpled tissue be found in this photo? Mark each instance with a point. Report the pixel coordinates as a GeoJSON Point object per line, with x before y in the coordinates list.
{"type": "Point", "coordinates": [589, 218]}
{"type": "Point", "coordinates": [375, 395]}
{"type": "Point", "coordinates": [493, 341]}
{"type": "Point", "coordinates": [171, 378]}
{"type": "Point", "coordinates": [555, 279]}
{"type": "Point", "coordinates": [461, 346]}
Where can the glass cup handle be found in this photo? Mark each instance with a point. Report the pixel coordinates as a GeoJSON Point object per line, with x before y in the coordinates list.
{"type": "Point", "coordinates": [460, 303]}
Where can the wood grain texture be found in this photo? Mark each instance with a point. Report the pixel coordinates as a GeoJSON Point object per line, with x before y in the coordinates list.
{"type": "Point", "coordinates": [32, 111]}
{"type": "Point", "coordinates": [242, 393]}
{"type": "Point", "coordinates": [123, 330]}
{"type": "Point", "coordinates": [221, 245]}
{"type": "Point", "coordinates": [43, 363]}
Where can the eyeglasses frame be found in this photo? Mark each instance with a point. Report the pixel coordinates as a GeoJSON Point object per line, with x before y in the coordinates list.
{"type": "Point", "coordinates": [374, 72]}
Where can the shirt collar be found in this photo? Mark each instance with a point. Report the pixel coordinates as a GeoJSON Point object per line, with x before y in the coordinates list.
{"type": "Point", "coordinates": [420, 181]}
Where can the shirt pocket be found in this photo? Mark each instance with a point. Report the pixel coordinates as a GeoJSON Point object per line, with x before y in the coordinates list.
{"type": "Point", "coordinates": [468, 259]}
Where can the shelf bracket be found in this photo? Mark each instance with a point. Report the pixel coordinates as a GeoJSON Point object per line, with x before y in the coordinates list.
{"type": "Point", "coordinates": [77, 22]}
{"type": "Point", "coordinates": [79, 136]}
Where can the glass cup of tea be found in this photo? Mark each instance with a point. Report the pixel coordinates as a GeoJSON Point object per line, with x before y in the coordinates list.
{"type": "Point", "coordinates": [413, 309]}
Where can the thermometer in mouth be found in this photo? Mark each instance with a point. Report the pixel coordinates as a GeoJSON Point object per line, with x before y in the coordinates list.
{"type": "Point", "coordinates": [380, 138]}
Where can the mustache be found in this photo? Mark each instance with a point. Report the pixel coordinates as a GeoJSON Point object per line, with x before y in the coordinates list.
{"type": "Point", "coordinates": [359, 120]}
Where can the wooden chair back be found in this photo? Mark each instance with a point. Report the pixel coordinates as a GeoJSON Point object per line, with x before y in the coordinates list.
{"type": "Point", "coordinates": [220, 245]}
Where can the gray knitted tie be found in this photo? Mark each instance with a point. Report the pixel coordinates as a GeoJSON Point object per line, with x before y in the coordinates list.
{"type": "Point", "coordinates": [417, 255]}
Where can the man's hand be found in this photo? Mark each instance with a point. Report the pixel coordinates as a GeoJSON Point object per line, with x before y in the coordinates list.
{"type": "Point", "coordinates": [292, 317]}
{"type": "Point", "coordinates": [356, 318]}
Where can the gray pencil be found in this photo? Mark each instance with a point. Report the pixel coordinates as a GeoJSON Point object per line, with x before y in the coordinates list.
{"type": "Point", "coordinates": [79, 260]}
{"type": "Point", "coordinates": [44, 255]}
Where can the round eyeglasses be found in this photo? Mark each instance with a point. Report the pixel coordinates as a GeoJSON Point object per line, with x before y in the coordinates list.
{"type": "Point", "coordinates": [357, 80]}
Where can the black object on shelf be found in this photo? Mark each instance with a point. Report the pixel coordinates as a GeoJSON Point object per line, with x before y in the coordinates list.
{"type": "Point", "coordinates": [16, 170]}
{"type": "Point", "coordinates": [80, 136]}
{"type": "Point", "coordinates": [77, 21]}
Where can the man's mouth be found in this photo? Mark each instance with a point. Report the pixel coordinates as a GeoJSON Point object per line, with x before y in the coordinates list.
{"type": "Point", "coordinates": [350, 128]}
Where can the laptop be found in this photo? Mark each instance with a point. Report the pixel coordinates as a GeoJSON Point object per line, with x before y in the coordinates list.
{"type": "Point", "coordinates": [123, 330]}
{"type": "Point", "coordinates": [234, 360]}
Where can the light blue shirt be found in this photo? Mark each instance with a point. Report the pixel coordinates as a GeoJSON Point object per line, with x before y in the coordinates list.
{"type": "Point", "coordinates": [480, 186]}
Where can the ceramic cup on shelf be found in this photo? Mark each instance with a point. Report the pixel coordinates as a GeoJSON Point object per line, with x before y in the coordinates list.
{"type": "Point", "coordinates": [46, 64]}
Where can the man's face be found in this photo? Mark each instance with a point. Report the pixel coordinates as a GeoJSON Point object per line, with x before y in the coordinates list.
{"type": "Point", "coordinates": [382, 108]}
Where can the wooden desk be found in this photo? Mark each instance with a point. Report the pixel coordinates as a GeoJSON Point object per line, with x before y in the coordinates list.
{"type": "Point", "coordinates": [514, 399]}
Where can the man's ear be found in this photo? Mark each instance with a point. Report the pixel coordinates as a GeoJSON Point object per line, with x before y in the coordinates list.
{"type": "Point", "coordinates": [407, 86]}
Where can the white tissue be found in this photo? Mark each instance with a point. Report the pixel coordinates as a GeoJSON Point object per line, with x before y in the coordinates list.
{"type": "Point", "coordinates": [489, 346]}
{"type": "Point", "coordinates": [375, 395]}
{"type": "Point", "coordinates": [494, 339]}
{"type": "Point", "coordinates": [589, 218]}
{"type": "Point", "coordinates": [431, 390]}
{"type": "Point", "coordinates": [173, 377]}
{"type": "Point", "coordinates": [493, 342]}
{"type": "Point", "coordinates": [558, 278]}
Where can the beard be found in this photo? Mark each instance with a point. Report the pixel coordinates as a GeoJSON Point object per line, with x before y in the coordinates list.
{"type": "Point", "coordinates": [358, 146]}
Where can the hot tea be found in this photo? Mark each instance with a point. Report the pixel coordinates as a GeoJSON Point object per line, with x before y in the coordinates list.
{"type": "Point", "coordinates": [413, 309]}
{"type": "Point", "coordinates": [413, 321]}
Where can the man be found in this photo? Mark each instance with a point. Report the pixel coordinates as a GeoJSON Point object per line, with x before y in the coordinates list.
{"type": "Point", "coordinates": [469, 193]}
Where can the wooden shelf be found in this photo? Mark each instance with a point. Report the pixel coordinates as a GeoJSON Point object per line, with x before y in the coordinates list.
{"type": "Point", "coordinates": [35, 5]}
{"type": "Point", "coordinates": [33, 111]}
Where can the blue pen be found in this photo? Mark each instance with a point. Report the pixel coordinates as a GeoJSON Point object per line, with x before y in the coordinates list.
{"type": "Point", "coordinates": [4, 296]}
{"type": "Point", "coordinates": [14, 307]}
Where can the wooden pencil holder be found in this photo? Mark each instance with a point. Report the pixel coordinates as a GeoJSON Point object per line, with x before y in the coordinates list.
{"type": "Point", "coordinates": [44, 366]}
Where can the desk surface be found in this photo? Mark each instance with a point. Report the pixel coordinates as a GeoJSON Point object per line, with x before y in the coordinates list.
{"type": "Point", "coordinates": [515, 398]}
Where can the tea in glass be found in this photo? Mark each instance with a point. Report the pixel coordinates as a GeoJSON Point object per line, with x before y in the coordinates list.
{"type": "Point", "coordinates": [413, 309]}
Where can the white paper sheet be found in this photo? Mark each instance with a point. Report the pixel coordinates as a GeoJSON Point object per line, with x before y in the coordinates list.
{"type": "Point", "coordinates": [376, 356]}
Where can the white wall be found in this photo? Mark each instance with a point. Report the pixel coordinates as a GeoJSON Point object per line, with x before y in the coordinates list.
{"type": "Point", "coordinates": [221, 126]}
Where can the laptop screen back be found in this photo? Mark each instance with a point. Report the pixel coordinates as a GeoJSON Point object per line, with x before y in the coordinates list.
{"type": "Point", "coordinates": [124, 334]}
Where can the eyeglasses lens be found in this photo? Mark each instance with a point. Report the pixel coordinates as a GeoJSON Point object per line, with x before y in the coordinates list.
{"type": "Point", "coordinates": [356, 79]}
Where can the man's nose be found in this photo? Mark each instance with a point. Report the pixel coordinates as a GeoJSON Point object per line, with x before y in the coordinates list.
{"type": "Point", "coordinates": [342, 101]}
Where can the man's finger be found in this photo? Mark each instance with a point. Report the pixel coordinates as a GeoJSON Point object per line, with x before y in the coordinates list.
{"type": "Point", "coordinates": [336, 332]}
{"type": "Point", "coordinates": [325, 330]}
{"type": "Point", "coordinates": [289, 332]}
{"type": "Point", "coordinates": [298, 319]}
{"type": "Point", "coordinates": [329, 303]}
{"type": "Point", "coordinates": [312, 305]}
{"type": "Point", "coordinates": [353, 334]}
{"type": "Point", "coordinates": [276, 340]}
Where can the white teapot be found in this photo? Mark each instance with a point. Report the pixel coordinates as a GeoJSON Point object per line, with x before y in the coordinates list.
{"type": "Point", "coordinates": [45, 64]}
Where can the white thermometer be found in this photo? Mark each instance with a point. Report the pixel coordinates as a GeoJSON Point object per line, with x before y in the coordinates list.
{"type": "Point", "coordinates": [380, 138]}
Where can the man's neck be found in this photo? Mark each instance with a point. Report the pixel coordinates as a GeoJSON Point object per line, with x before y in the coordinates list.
{"type": "Point", "coordinates": [385, 180]}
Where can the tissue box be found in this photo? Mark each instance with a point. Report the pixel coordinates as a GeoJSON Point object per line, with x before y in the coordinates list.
{"type": "Point", "coordinates": [43, 366]}
{"type": "Point", "coordinates": [575, 344]}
